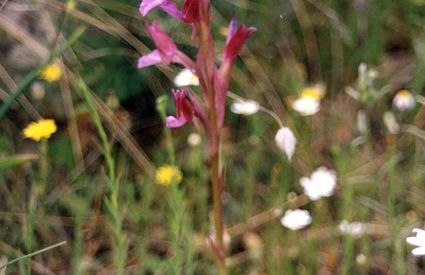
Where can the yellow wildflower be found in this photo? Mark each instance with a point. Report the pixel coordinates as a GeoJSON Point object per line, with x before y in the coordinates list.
{"type": "Point", "coordinates": [51, 73]}
{"type": "Point", "coordinates": [43, 128]}
{"type": "Point", "coordinates": [166, 174]}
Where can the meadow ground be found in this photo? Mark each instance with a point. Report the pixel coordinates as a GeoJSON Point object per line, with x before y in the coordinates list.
{"type": "Point", "coordinates": [322, 146]}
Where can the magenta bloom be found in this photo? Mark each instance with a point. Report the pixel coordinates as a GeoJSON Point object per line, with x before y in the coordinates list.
{"type": "Point", "coordinates": [166, 5]}
{"type": "Point", "coordinates": [166, 51]}
{"type": "Point", "coordinates": [184, 110]}
{"type": "Point", "coordinates": [235, 39]}
{"type": "Point", "coordinates": [212, 80]}
{"type": "Point", "coordinates": [234, 42]}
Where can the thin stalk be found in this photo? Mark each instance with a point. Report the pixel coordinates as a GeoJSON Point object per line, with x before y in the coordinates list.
{"type": "Point", "coordinates": [161, 105]}
{"type": "Point", "coordinates": [33, 254]}
{"type": "Point", "coordinates": [214, 150]}
{"type": "Point", "coordinates": [37, 190]}
{"type": "Point", "coordinates": [120, 244]}
{"type": "Point", "coordinates": [397, 241]}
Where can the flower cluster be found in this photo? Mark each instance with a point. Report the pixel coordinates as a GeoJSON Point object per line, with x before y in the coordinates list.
{"type": "Point", "coordinates": [321, 183]}
{"type": "Point", "coordinates": [213, 81]}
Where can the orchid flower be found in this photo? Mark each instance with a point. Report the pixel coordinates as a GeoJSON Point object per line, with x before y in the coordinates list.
{"type": "Point", "coordinates": [187, 108]}
{"type": "Point", "coordinates": [166, 51]}
{"type": "Point", "coordinates": [192, 11]}
{"type": "Point", "coordinates": [166, 5]}
{"type": "Point", "coordinates": [184, 110]}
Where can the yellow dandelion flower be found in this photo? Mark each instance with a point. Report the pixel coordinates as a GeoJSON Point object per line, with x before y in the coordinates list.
{"type": "Point", "coordinates": [166, 174]}
{"type": "Point", "coordinates": [43, 128]}
{"type": "Point", "coordinates": [51, 73]}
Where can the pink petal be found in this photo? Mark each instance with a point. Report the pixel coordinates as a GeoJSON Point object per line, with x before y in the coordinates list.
{"type": "Point", "coordinates": [171, 8]}
{"type": "Point", "coordinates": [236, 41]}
{"type": "Point", "coordinates": [148, 5]}
{"type": "Point", "coordinates": [191, 11]}
{"type": "Point", "coordinates": [172, 122]}
{"type": "Point", "coordinates": [232, 29]}
{"type": "Point", "coordinates": [163, 42]}
{"type": "Point", "coordinates": [181, 58]}
{"type": "Point", "coordinates": [150, 59]}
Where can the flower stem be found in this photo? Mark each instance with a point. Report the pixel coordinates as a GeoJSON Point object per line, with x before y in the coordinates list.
{"type": "Point", "coordinates": [214, 141]}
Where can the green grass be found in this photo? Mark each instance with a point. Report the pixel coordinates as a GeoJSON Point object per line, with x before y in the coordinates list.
{"type": "Point", "coordinates": [92, 184]}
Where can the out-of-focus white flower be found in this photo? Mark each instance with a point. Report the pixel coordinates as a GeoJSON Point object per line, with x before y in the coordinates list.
{"type": "Point", "coordinates": [404, 100]}
{"type": "Point", "coordinates": [419, 241]}
{"type": "Point", "coordinates": [391, 123]}
{"type": "Point", "coordinates": [286, 141]}
{"type": "Point", "coordinates": [296, 219]}
{"type": "Point", "coordinates": [362, 72]}
{"type": "Point", "coordinates": [361, 259]}
{"type": "Point", "coordinates": [37, 90]}
{"type": "Point", "coordinates": [194, 139]}
{"type": "Point", "coordinates": [309, 101]}
{"type": "Point", "coordinates": [321, 183]}
{"type": "Point", "coordinates": [245, 107]}
{"type": "Point", "coordinates": [362, 121]}
{"type": "Point", "coordinates": [186, 78]}
{"type": "Point", "coordinates": [356, 229]}
{"type": "Point", "coordinates": [306, 106]}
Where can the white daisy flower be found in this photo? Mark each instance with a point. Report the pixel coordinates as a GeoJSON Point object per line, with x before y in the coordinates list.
{"type": "Point", "coordinates": [309, 101]}
{"type": "Point", "coordinates": [404, 100]}
{"type": "Point", "coordinates": [296, 219]}
{"type": "Point", "coordinates": [245, 107]}
{"type": "Point", "coordinates": [186, 78]}
{"type": "Point", "coordinates": [419, 241]}
{"type": "Point", "coordinates": [321, 183]}
{"type": "Point", "coordinates": [286, 141]}
{"type": "Point", "coordinates": [306, 106]}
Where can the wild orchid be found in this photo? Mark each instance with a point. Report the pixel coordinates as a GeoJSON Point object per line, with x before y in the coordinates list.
{"type": "Point", "coordinates": [214, 81]}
